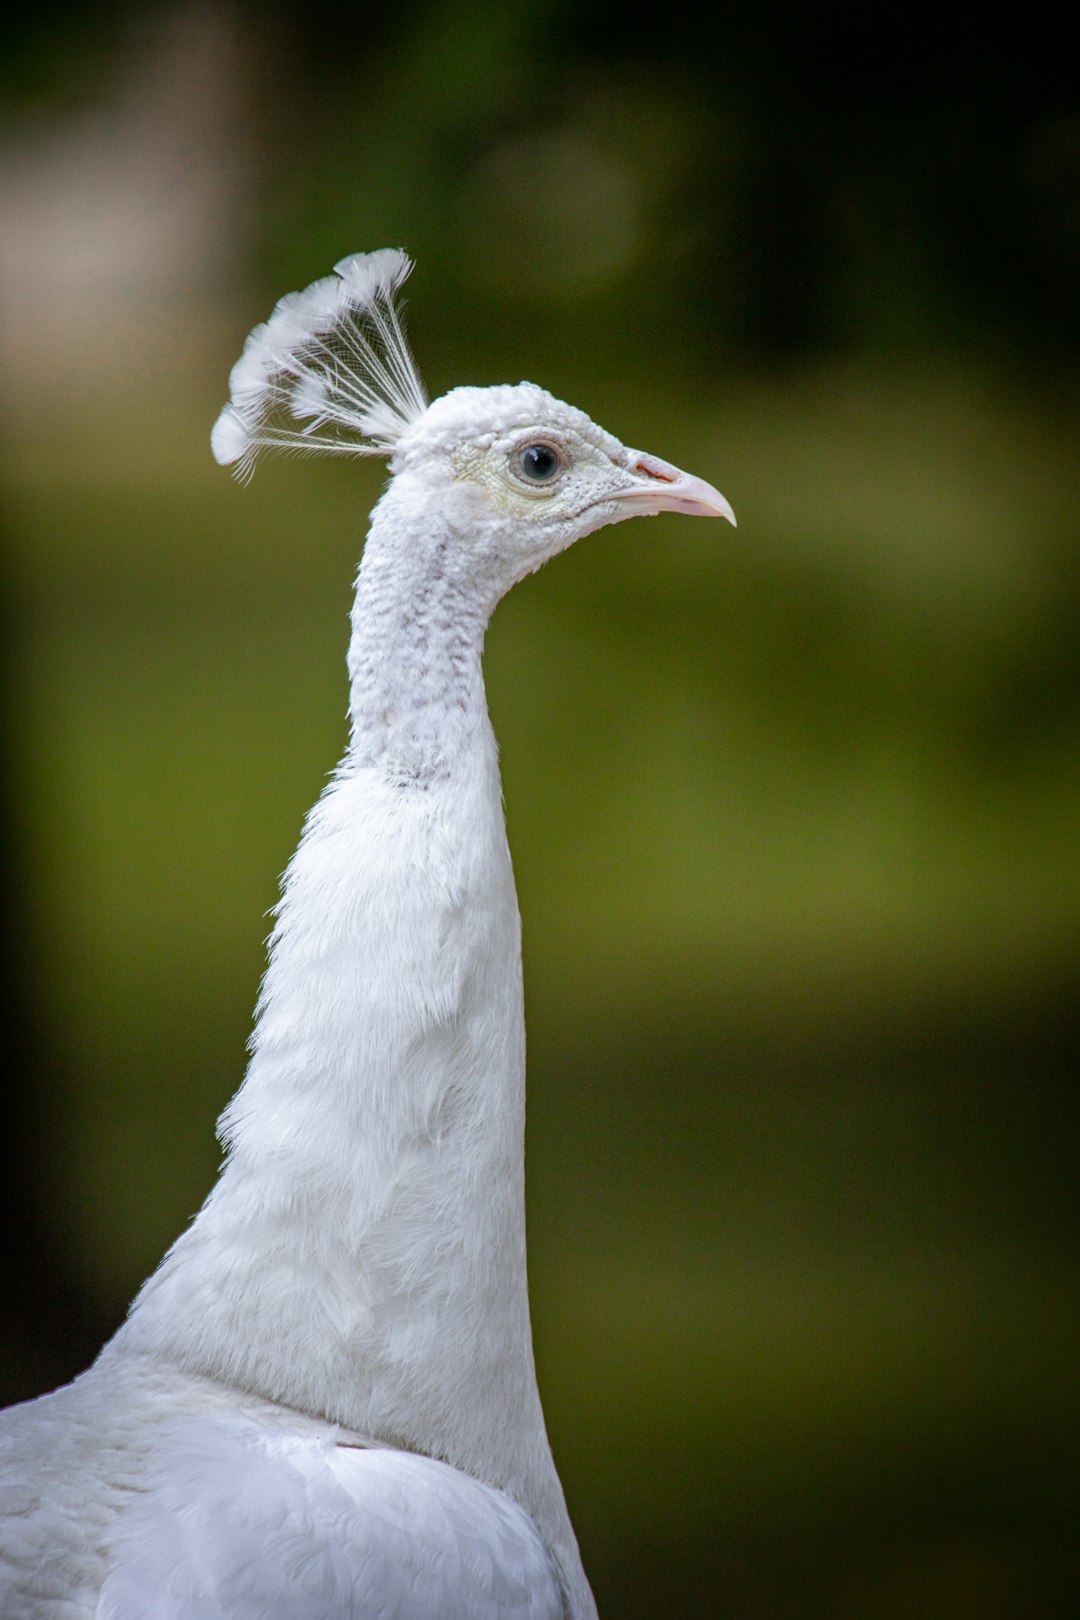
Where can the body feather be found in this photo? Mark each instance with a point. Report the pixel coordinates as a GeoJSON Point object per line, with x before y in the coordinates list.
{"type": "Point", "coordinates": [323, 1404]}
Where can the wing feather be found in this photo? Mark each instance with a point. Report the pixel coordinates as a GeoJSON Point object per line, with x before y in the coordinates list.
{"type": "Point", "coordinates": [243, 1523]}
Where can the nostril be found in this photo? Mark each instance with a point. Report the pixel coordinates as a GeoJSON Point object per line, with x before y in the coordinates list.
{"type": "Point", "coordinates": [654, 469]}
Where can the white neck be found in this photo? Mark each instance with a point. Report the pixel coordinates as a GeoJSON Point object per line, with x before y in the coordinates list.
{"type": "Point", "coordinates": [362, 1256]}
{"type": "Point", "coordinates": [418, 623]}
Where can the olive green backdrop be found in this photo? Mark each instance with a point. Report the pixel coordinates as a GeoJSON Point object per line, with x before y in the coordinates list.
{"type": "Point", "coordinates": [794, 809]}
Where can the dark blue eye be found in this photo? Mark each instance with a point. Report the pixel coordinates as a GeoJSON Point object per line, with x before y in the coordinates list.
{"type": "Point", "coordinates": [538, 463]}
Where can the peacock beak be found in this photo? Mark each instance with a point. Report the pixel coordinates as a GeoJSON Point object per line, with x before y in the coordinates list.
{"type": "Point", "coordinates": [664, 488]}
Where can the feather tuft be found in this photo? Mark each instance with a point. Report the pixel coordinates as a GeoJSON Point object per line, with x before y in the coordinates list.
{"type": "Point", "coordinates": [329, 372]}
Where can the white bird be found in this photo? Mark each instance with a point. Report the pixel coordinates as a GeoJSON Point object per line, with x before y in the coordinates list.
{"type": "Point", "coordinates": [322, 1405]}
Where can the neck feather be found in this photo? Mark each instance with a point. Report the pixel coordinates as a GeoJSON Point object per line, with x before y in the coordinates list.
{"type": "Point", "coordinates": [417, 695]}
{"type": "Point", "coordinates": [362, 1257]}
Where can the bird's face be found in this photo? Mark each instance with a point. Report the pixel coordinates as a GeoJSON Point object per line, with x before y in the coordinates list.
{"type": "Point", "coordinates": [529, 475]}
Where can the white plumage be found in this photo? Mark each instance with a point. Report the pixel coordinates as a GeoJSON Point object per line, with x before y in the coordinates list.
{"type": "Point", "coordinates": [323, 1404]}
{"type": "Point", "coordinates": [333, 357]}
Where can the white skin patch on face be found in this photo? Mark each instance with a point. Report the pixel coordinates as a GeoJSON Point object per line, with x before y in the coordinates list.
{"type": "Point", "coordinates": [584, 473]}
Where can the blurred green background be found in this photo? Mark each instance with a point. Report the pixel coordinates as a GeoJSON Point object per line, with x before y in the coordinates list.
{"type": "Point", "coordinates": [794, 810]}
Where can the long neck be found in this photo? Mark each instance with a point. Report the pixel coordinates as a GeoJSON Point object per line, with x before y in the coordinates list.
{"type": "Point", "coordinates": [362, 1256]}
{"type": "Point", "coordinates": [416, 689]}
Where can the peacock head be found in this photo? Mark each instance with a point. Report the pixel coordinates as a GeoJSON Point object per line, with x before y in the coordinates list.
{"type": "Point", "coordinates": [519, 473]}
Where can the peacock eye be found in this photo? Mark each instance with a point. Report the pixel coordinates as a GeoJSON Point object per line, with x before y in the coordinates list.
{"type": "Point", "coordinates": [538, 463]}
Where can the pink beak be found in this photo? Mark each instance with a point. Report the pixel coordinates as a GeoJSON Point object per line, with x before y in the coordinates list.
{"type": "Point", "coordinates": [664, 488]}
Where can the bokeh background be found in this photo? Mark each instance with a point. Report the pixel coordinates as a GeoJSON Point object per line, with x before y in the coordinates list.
{"type": "Point", "coordinates": [794, 810]}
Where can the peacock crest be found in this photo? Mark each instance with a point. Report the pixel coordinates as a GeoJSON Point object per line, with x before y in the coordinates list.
{"type": "Point", "coordinates": [330, 372]}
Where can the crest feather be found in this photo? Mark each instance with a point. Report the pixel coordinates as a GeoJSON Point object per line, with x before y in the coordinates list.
{"type": "Point", "coordinates": [329, 372]}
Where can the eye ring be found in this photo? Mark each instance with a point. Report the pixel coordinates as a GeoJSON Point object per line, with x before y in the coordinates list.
{"type": "Point", "coordinates": [538, 463]}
